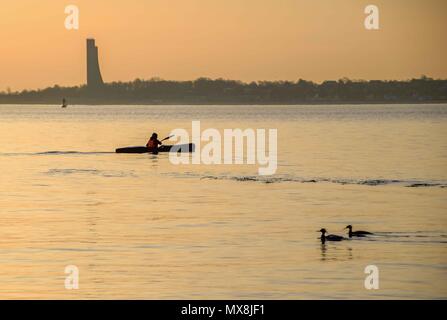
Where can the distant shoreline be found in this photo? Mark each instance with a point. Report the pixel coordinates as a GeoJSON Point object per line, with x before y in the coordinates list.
{"type": "Point", "coordinates": [234, 104]}
{"type": "Point", "coordinates": [204, 91]}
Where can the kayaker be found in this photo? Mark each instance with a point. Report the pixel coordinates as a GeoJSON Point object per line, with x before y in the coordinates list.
{"type": "Point", "coordinates": [153, 143]}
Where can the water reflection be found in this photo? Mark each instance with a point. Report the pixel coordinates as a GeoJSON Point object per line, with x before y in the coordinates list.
{"type": "Point", "coordinates": [330, 252]}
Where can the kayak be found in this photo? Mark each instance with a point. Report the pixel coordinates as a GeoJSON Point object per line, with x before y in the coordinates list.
{"type": "Point", "coordinates": [163, 148]}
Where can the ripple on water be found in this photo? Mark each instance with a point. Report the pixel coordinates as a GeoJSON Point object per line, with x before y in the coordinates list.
{"type": "Point", "coordinates": [96, 172]}
{"type": "Point", "coordinates": [294, 179]}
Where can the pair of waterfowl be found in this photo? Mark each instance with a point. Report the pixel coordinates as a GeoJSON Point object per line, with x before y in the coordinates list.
{"type": "Point", "coordinates": [333, 237]}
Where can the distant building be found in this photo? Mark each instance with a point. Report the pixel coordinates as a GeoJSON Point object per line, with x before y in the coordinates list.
{"type": "Point", "coordinates": [94, 79]}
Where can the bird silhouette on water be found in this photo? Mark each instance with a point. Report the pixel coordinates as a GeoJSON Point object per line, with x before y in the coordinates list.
{"type": "Point", "coordinates": [329, 237]}
{"type": "Point", "coordinates": [356, 233]}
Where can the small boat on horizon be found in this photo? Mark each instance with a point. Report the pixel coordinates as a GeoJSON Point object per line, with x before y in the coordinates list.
{"type": "Point", "coordinates": [64, 103]}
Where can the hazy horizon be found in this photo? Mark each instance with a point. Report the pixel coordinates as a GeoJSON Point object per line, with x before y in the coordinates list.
{"type": "Point", "coordinates": [247, 41]}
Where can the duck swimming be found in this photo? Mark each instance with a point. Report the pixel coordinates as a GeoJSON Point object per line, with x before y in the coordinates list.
{"type": "Point", "coordinates": [356, 233]}
{"type": "Point", "coordinates": [329, 237]}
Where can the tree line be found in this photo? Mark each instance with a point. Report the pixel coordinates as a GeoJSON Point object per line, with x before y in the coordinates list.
{"type": "Point", "coordinates": [221, 91]}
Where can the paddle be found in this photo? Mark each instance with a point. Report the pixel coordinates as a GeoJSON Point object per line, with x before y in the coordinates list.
{"type": "Point", "coordinates": [167, 138]}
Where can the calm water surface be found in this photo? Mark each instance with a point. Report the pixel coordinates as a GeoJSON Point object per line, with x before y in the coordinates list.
{"type": "Point", "coordinates": [138, 226]}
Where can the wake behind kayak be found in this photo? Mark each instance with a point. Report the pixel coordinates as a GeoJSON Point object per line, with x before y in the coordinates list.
{"type": "Point", "coordinates": [163, 148]}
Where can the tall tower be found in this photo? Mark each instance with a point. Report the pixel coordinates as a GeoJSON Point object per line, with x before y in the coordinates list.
{"type": "Point", "coordinates": [94, 79]}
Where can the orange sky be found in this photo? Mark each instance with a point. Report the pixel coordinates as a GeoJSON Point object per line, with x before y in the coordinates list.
{"type": "Point", "coordinates": [234, 39]}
